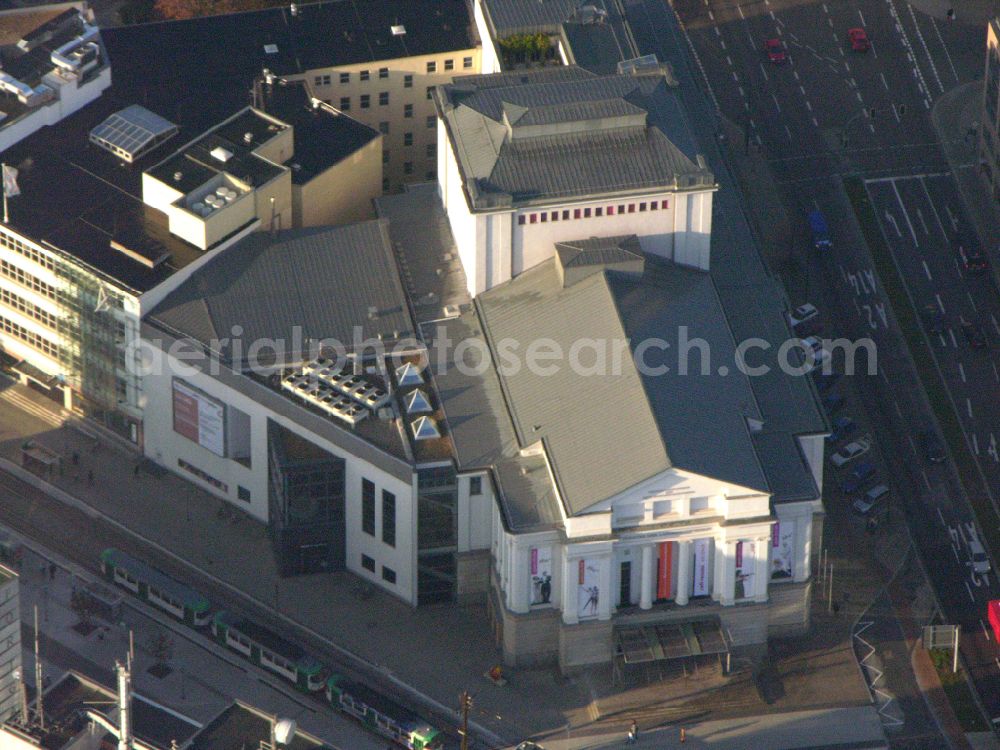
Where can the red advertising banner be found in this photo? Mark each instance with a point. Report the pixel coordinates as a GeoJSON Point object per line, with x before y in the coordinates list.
{"type": "Point", "coordinates": [665, 572]}
{"type": "Point", "coordinates": [582, 573]}
{"type": "Point", "coordinates": [739, 555]}
{"type": "Point", "coordinates": [534, 561]}
{"type": "Point", "coordinates": [776, 535]}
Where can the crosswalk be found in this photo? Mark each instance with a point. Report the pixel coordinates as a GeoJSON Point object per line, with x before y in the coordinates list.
{"type": "Point", "coordinates": [54, 417]}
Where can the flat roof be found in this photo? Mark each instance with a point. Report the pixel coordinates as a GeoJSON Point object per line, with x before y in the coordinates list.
{"type": "Point", "coordinates": [233, 48]}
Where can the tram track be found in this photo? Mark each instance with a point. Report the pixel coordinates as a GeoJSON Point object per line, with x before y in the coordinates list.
{"type": "Point", "coordinates": [81, 537]}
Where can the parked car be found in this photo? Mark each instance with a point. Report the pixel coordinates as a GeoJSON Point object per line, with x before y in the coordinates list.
{"type": "Point", "coordinates": [825, 381]}
{"type": "Point", "coordinates": [858, 39]}
{"type": "Point", "coordinates": [842, 428]}
{"type": "Point", "coordinates": [931, 447]}
{"type": "Point", "coordinates": [775, 51]}
{"type": "Point", "coordinates": [933, 318]}
{"type": "Point", "coordinates": [864, 504]}
{"type": "Point", "coordinates": [978, 558]}
{"type": "Point", "coordinates": [858, 477]}
{"type": "Point", "coordinates": [820, 231]}
{"type": "Point", "coordinates": [819, 352]}
{"type": "Point", "coordinates": [850, 452]}
{"type": "Point", "coordinates": [833, 402]}
{"type": "Point", "coordinates": [802, 314]}
{"type": "Point", "coordinates": [974, 335]}
{"type": "Point", "coordinates": [971, 255]}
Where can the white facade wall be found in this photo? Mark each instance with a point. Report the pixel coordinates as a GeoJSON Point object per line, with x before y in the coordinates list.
{"type": "Point", "coordinates": [812, 449]}
{"type": "Point", "coordinates": [456, 207]}
{"type": "Point", "coordinates": [475, 514]}
{"type": "Point", "coordinates": [69, 98]}
{"type": "Point", "coordinates": [490, 57]}
{"type": "Point", "coordinates": [168, 448]}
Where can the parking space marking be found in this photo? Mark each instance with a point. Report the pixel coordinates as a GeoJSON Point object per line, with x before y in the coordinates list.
{"type": "Point", "coordinates": [906, 214]}
{"type": "Point", "coordinates": [961, 372]}
{"type": "Point", "coordinates": [913, 446]}
{"type": "Point", "coordinates": [951, 333]}
{"type": "Point", "coordinates": [927, 270]}
{"type": "Point", "coordinates": [898, 410]}
{"type": "Point", "coordinates": [926, 480]}
{"type": "Point", "coordinates": [940, 515]}
{"type": "Point", "coordinates": [777, 104]}
{"type": "Point", "coordinates": [920, 214]}
{"type": "Point", "coordinates": [944, 46]}
{"type": "Point", "coordinates": [986, 631]}
{"type": "Point", "coordinates": [968, 406]}
{"type": "Point", "coordinates": [958, 268]}
{"type": "Point", "coordinates": [923, 43]}
{"type": "Point", "coordinates": [881, 75]}
{"type": "Point", "coordinates": [723, 43]}
{"type": "Point", "coordinates": [940, 303]}
{"type": "Point", "coordinates": [951, 217]}
{"type": "Point", "coordinates": [996, 326]}
{"type": "Point", "coordinates": [992, 450]}
{"type": "Point", "coordinates": [975, 444]}
{"type": "Point", "coordinates": [892, 220]}
{"type": "Point", "coordinates": [763, 72]}
{"type": "Point", "coordinates": [996, 373]}
{"type": "Point", "coordinates": [971, 301]}
{"type": "Point", "coordinates": [862, 17]}
{"type": "Point", "coordinates": [969, 590]}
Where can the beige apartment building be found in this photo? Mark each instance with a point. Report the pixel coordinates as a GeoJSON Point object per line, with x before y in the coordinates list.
{"type": "Point", "coordinates": [393, 96]}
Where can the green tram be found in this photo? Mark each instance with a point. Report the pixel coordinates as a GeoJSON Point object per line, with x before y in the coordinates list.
{"type": "Point", "coordinates": [156, 588]}
{"type": "Point", "coordinates": [381, 715]}
{"type": "Point", "coordinates": [269, 651]}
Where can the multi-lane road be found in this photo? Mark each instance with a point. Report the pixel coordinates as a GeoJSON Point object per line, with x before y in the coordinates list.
{"type": "Point", "coordinates": [829, 112]}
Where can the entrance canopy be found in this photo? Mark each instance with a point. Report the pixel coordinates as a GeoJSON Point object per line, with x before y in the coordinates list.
{"type": "Point", "coordinates": [639, 644]}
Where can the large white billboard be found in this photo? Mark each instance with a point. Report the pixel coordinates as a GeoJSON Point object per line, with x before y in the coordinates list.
{"type": "Point", "coordinates": [199, 418]}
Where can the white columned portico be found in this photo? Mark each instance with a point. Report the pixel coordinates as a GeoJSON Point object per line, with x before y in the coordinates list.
{"type": "Point", "coordinates": [803, 549]}
{"type": "Point", "coordinates": [683, 572]}
{"type": "Point", "coordinates": [569, 594]}
{"type": "Point", "coordinates": [646, 578]}
{"type": "Point", "coordinates": [726, 568]}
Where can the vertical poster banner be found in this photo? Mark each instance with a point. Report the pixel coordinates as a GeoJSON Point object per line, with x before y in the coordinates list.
{"type": "Point", "coordinates": [541, 575]}
{"type": "Point", "coordinates": [745, 558]}
{"type": "Point", "coordinates": [782, 549]}
{"type": "Point", "coordinates": [587, 589]}
{"type": "Point", "coordinates": [700, 583]}
{"type": "Point", "coordinates": [665, 571]}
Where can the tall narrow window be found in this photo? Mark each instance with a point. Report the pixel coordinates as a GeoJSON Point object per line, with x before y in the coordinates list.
{"type": "Point", "coordinates": [388, 518]}
{"type": "Point", "coordinates": [368, 507]}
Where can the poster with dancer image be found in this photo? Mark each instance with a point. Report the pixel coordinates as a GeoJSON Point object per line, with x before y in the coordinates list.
{"type": "Point", "coordinates": [541, 575]}
{"type": "Point", "coordinates": [700, 584]}
{"type": "Point", "coordinates": [745, 560]}
{"type": "Point", "coordinates": [587, 589]}
{"type": "Point", "coordinates": [782, 549]}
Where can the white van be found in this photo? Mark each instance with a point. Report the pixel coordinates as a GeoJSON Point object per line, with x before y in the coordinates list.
{"type": "Point", "coordinates": [980, 560]}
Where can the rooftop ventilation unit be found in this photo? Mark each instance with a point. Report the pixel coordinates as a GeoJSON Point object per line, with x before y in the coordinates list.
{"type": "Point", "coordinates": [221, 154]}
{"type": "Point", "coordinates": [271, 49]}
{"type": "Point", "coordinates": [293, 9]}
{"type": "Point", "coordinates": [398, 30]}
{"type": "Point", "coordinates": [248, 138]}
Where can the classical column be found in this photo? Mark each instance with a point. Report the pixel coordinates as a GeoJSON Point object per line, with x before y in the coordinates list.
{"type": "Point", "coordinates": [762, 571]}
{"type": "Point", "coordinates": [646, 579]}
{"type": "Point", "coordinates": [683, 572]}
{"type": "Point", "coordinates": [569, 595]}
{"type": "Point", "coordinates": [803, 548]}
{"type": "Point", "coordinates": [726, 569]}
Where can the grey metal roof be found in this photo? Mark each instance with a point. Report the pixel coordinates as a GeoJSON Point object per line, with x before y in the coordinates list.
{"type": "Point", "coordinates": [599, 250]}
{"type": "Point", "coordinates": [540, 135]}
{"type": "Point", "coordinates": [324, 280]}
{"type": "Point", "coordinates": [522, 16]}
{"type": "Point", "coordinates": [606, 432]}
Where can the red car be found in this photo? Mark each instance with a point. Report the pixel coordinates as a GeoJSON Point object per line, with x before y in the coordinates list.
{"type": "Point", "coordinates": [775, 51]}
{"type": "Point", "coordinates": [858, 39]}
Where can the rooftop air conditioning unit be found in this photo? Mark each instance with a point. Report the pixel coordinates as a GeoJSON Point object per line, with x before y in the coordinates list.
{"type": "Point", "coordinates": [398, 30]}
{"type": "Point", "coordinates": [221, 154]}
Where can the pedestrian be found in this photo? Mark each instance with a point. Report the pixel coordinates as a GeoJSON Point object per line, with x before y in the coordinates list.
{"type": "Point", "coordinates": [633, 733]}
{"type": "Point", "coordinates": [90, 476]}
{"type": "Point", "coordinates": [76, 458]}
{"type": "Point", "coordinates": [52, 571]}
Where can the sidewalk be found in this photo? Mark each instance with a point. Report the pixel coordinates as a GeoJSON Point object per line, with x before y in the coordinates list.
{"type": "Point", "coordinates": [953, 114]}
